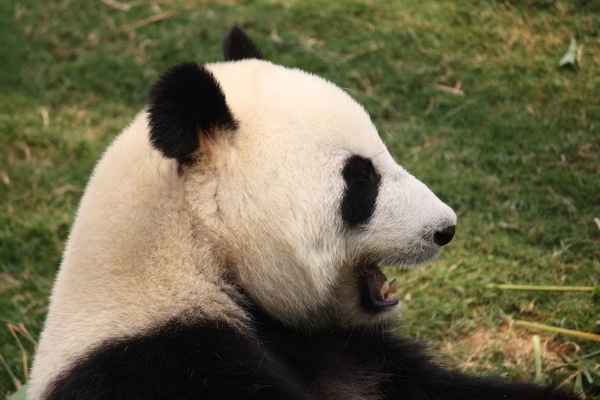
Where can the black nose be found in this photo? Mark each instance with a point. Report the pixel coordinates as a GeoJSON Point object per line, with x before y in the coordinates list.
{"type": "Point", "coordinates": [444, 236]}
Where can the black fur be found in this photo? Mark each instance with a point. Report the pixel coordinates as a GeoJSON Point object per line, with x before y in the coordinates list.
{"type": "Point", "coordinates": [238, 46]}
{"type": "Point", "coordinates": [212, 361]}
{"type": "Point", "coordinates": [179, 362]}
{"type": "Point", "coordinates": [362, 186]}
{"type": "Point", "coordinates": [183, 104]}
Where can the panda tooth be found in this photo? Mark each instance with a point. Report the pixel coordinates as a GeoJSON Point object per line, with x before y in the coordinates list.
{"type": "Point", "coordinates": [385, 289]}
{"type": "Point", "coordinates": [391, 296]}
{"type": "Point", "coordinates": [393, 287]}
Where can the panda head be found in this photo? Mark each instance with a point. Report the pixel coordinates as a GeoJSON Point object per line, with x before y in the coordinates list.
{"type": "Point", "coordinates": [287, 176]}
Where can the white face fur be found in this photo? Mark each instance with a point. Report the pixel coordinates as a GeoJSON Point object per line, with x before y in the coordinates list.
{"type": "Point", "coordinates": [279, 186]}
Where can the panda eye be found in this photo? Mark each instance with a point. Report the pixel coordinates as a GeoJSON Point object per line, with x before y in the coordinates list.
{"type": "Point", "coordinates": [367, 175]}
{"type": "Point", "coordinates": [360, 170]}
{"type": "Point", "coordinates": [362, 187]}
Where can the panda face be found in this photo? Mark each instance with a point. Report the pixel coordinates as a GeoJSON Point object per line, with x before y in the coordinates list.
{"type": "Point", "coordinates": [290, 177]}
{"type": "Point", "coordinates": [405, 224]}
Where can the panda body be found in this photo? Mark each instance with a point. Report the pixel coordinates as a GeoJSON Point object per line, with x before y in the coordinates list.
{"type": "Point", "coordinates": [227, 247]}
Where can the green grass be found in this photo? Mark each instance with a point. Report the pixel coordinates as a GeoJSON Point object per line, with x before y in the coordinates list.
{"type": "Point", "coordinates": [517, 155]}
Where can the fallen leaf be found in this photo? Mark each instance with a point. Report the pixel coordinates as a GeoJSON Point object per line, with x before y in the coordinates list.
{"type": "Point", "coordinates": [570, 57]}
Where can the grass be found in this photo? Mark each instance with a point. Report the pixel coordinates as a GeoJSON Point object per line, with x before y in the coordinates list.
{"type": "Point", "coordinates": [467, 94]}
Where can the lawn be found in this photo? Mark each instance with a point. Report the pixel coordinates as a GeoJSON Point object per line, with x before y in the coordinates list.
{"type": "Point", "coordinates": [468, 95]}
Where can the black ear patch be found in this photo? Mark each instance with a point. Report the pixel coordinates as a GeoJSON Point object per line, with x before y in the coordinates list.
{"type": "Point", "coordinates": [362, 187]}
{"type": "Point", "coordinates": [238, 46]}
{"type": "Point", "coordinates": [183, 104]}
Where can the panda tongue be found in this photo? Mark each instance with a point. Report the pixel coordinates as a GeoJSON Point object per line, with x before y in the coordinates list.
{"type": "Point", "coordinates": [387, 289]}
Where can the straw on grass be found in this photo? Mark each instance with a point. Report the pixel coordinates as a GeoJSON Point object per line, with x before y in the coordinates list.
{"type": "Point", "coordinates": [553, 329]}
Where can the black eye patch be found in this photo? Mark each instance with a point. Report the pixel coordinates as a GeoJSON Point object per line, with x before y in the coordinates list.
{"type": "Point", "coordinates": [362, 186]}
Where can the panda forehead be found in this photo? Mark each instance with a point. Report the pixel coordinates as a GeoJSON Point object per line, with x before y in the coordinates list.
{"type": "Point", "coordinates": [304, 108]}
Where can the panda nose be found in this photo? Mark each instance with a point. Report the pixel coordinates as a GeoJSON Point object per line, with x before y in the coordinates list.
{"type": "Point", "coordinates": [443, 237]}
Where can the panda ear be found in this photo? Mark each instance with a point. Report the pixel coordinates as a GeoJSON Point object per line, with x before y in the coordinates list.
{"type": "Point", "coordinates": [185, 104]}
{"type": "Point", "coordinates": [238, 46]}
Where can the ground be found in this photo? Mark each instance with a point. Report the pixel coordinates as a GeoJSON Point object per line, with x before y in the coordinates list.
{"type": "Point", "coordinates": [468, 95]}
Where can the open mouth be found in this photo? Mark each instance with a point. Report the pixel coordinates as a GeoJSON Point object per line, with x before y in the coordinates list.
{"type": "Point", "coordinates": [377, 293]}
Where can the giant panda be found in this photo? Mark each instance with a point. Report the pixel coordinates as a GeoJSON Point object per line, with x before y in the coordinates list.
{"type": "Point", "coordinates": [229, 244]}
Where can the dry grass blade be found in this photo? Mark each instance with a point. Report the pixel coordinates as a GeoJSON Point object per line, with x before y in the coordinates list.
{"type": "Point", "coordinates": [537, 352]}
{"type": "Point", "coordinates": [15, 380]}
{"type": "Point", "coordinates": [118, 6]}
{"type": "Point", "coordinates": [456, 90]}
{"type": "Point", "coordinates": [553, 329]}
{"type": "Point", "coordinates": [23, 330]}
{"type": "Point", "coordinates": [24, 358]}
{"type": "Point", "coordinates": [542, 288]}
{"type": "Point", "coordinates": [147, 21]}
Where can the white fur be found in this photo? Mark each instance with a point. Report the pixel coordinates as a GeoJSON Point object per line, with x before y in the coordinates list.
{"type": "Point", "coordinates": [261, 205]}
